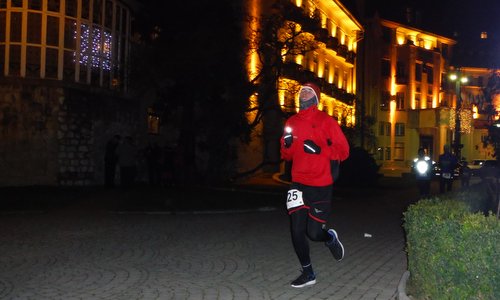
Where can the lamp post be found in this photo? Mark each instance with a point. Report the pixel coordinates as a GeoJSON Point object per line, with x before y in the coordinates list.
{"type": "Point", "coordinates": [458, 79]}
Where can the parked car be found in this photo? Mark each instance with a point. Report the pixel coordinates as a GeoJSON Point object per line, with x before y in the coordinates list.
{"type": "Point", "coordinates": [475, 165]}
{"type": "Point", "coordinates": [489, 168]}
{"type": "Point", "coordinates": [437, 169]}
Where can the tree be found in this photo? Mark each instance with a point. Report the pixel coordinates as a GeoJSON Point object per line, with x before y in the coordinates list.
{"type": "Point", "coordinates": [276, 40]}
{"type": "Point", "coordinates": [188, 58]}
{"type": "Point", "coordinates": [491, 92]}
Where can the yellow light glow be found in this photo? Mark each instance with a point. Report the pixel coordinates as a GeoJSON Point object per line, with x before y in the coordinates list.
{"type": "Point", "coordinates": [392, 110]}
{"type": "Point", "coordinates": [299, 58]}
{"type": "Point", "coordinates": [253, 57]}
{"type": "Point", "coordinates": [427, 44]}
{"type": "Point", "coordinates": [400, 37]}
{"type": "Point", "coordinates": [281, 96]}
{"type": "Point", "coordinates": [298, 3]}
{"type": "Point", "coordinates": [475, 113]}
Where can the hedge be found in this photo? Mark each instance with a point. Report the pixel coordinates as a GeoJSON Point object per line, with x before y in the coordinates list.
{"type": "Point", "coordinates": [453, 247]}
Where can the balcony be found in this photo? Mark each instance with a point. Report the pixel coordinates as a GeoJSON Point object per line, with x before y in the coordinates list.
{"type": "Point", "coordinates": [351, 56]}
{"type": "Point", "coordinates": [342, 51]}
{"type": "Point", "coordinates": [297, 72]}
{"type": "Point", "coordinates": [332, 43]}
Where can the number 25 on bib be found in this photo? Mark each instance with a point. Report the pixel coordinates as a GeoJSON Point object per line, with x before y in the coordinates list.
{"type": "Point", "coordinates": [294, 199]}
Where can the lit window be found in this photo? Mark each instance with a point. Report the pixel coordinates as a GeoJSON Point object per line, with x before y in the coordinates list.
{"type": "Point", "coordinates": [94, 52]}
{"type": "Point", "coordinates": [484, 35]}
{"type": "Point", "coordinates": [399, 151]}
{"type": "Point", "coordinates": [400, 129]}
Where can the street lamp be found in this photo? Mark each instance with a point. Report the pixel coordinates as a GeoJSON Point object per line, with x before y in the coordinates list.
{"type": "Point", "coordinates": [459, 79]}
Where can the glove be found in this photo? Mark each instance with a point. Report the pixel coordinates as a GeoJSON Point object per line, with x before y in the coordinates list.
{"type": "Point", "coordinates": [311, 148]}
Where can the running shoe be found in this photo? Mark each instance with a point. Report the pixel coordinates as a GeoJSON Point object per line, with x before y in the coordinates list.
{"type": "Point", "coordinates": [335, 245]}
{"type": "Point", "coordinates": [303, 280]}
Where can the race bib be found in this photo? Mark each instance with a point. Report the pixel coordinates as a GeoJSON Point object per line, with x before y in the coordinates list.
{"type": "Point", "coordinates": [446, 175]}
{"type": "Point", "coordinates": [294, 199]}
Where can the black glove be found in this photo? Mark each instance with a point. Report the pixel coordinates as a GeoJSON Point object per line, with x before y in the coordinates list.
{"type": "Point", "coordinates": [311, 148]}
{"type": "Point", "coordinates": [288, 137]}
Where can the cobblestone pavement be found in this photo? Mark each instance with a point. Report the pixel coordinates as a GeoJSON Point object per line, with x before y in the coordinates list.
{"type": "Point", "coordinates": [247, 254]}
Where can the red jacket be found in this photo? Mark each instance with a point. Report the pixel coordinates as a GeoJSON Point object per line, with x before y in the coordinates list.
{"type": "Point", "coordinates": [324, 131]}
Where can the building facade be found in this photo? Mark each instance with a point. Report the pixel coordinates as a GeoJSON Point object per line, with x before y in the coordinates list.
{"type": "Point", "coordinates": [404, 72]}
{"type": "Point", "coordinates": [318, 42]}
{"type": "Point", "coordinates": [476, 108]}
{"type": "Point", "coordinates": [63, 83]}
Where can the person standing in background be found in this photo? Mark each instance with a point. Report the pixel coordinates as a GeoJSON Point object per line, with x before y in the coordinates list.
{"type": "Point", "coordinates": [447, 163]}
{"type": "Point", "coordinates": [127, 159]}
{"type": "Point", "coordinates": [110, 160]}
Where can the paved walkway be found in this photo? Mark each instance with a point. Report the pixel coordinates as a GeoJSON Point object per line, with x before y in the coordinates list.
{"type": "Point", "coordinates": [108, 252]}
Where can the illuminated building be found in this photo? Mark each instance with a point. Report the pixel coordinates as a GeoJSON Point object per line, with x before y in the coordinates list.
{"type": "Point", "coordinates": [63, 79]}
{"type": "Point", "coordinates": [330, 59]}
{"type": "Point", "coordinates": [404, 72]}
{"type": "Point", "coordinates": [475, 112]}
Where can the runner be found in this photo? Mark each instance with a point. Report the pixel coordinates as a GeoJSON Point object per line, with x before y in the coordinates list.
{"type": "Point", "coordinates": [315, 144]}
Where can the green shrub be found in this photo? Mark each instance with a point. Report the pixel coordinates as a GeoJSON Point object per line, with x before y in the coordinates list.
{"type": "Point", "coordinates": [452, 253]}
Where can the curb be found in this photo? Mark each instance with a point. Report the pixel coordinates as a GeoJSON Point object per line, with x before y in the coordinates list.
{"type": "Point", "coordinates": [402, 286]}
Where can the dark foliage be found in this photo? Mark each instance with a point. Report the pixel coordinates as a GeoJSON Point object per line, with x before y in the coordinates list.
{"type": "Point", "coordinates": [360, 169]}
{"type": "Point", "coordinates": [190, 54]}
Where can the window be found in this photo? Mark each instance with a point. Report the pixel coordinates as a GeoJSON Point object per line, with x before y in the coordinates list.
{"type": "Point", "coordinates": [400, 129]}
{"type": "Point", "coordinates": [384, 128]}
{"type": "Point", "coordinates": [314, 65]}
{"type": "Point", "coordinates": [71, 6]}
{"type": "Point", "coordinates": [2, 60]}
{"type": "Point", "coordinates": [93, 50]}
{"type": "Point", "coordinates": [35, 4]}
{"type": "Point", "coordinates": [97, 10]}
{"type": "Point", "coordinates": [429, 97]}
{"type": "Point", "coordinates": [386, 34]}
{"type": "Point", "coordinates": [34, 28]}
{"type": "Point", "coordinates": [17, 3]}
{"type": "Point", "coordinates": [401, 75]}
{"type": "Point", "coordinates": [387, 153]}
{"type": "Point", "coordinates": [53, 5]}
{"type": "Point", "coordinates": [15, 60]}
{"type": "Point", "coordinates": [51, 63]}
{"type": "Point", "coordinates": [153, 123]}
{"type": "Point", "coordinates": [381, 128]}
{"type": "Point", "coordinates": [385, 98]}
{"type": "Point", "coordinates": [385, 68]}
{"type": "Point", "coordinates": [52, 31]}
{"type": "Point", "coordinates": [400, 100]}
{"type": "Point", "coordinates": [380, 153]}
{"type": "Point", "coordinates": [344, 81]}
{"type": "Point", "coordinates": [2, 27]}
{"type": "Point", "coordinates": [32, 61]}
{"type": "Point", "coordinates": [326, 71]}
{"type": "Point", "coordinates": [399, 151]}
{"type": "Point", "coordinates": [336, 77]}
{"type": "Point", "coordinates": [430, 74]}
{"type": "Point", "coordinates": [15, 27]}
{"type": "Point", "coordinates": [417, 100]}
{"type": "Point", "coordinates": [418, 72]}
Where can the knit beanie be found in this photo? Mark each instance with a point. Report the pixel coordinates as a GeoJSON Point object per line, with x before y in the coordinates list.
{"type": "Point", "coordinates": [310, 101]}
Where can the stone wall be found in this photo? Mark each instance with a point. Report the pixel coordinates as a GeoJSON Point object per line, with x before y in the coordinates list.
{"type": "Point", "coordinates": [51, 134]}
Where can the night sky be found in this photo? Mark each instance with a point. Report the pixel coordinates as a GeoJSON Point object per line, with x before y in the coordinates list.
{"type": "Point", "coordinates": [442, 16]}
